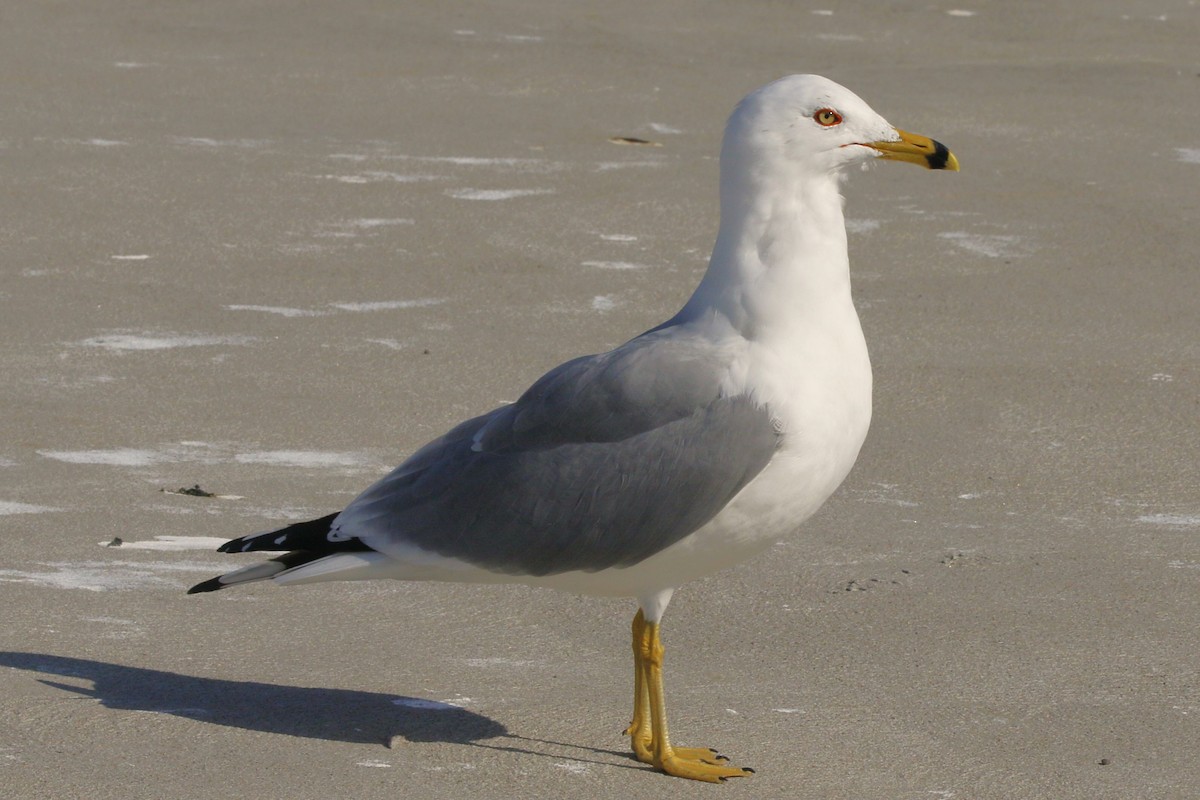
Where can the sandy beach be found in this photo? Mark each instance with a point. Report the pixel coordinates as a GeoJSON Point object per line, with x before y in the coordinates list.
{"type": "Point", "coordinates": [269, 249]}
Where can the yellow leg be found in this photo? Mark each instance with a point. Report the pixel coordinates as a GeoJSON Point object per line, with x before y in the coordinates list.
{"type": "Point", "coordinates": [639, 729]}
{"type": "Point", "coordinates": [650, 739]}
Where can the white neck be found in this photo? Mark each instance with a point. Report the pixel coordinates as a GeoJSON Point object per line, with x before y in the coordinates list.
{"type": "Point", "coordinates": [780, 259]}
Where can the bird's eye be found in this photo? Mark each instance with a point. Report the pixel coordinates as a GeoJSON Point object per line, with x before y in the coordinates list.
{"type": "Point", "coordinates": [827, 117]}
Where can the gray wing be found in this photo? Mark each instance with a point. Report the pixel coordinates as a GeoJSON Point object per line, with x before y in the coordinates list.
{"type": "Point", "coordinates": [603, 462]}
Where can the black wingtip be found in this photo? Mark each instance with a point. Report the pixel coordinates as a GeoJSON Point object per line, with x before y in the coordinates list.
{"type": "Point", "coordinates": [210, 585]}
{"type": "Point", "coordinates": [313, 535]}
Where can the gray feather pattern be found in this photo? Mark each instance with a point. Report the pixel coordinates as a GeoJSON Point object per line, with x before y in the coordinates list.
{"type": "Point", "coordinates": [603, 462]}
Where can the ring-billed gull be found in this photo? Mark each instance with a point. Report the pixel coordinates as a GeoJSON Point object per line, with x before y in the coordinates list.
{"type": "Point", "coordinates": [687, 449]}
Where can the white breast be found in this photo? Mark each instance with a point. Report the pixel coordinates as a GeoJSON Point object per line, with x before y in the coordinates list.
{"type": "Point", "coordinates": [819, 393]}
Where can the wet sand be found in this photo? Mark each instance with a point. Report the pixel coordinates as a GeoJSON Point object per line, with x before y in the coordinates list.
{"type": "Point", "coordinates": [270, 249]}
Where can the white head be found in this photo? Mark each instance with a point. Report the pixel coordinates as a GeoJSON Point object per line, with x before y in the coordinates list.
{"type": "Point", "coordinates": [812, 124]}
{"type": "Point", "coordinates": [782, 241]}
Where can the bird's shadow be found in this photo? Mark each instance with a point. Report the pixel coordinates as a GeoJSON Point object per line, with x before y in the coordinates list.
{"type": "Point", "coordinates": [341, 715]}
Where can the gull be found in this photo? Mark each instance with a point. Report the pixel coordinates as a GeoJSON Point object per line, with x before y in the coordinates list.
{"type": "Point", "coordinates": [683, 451]}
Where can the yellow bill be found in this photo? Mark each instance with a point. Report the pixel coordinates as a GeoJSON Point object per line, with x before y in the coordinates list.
{"type": "Point", "coordinates": [917, 149]}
